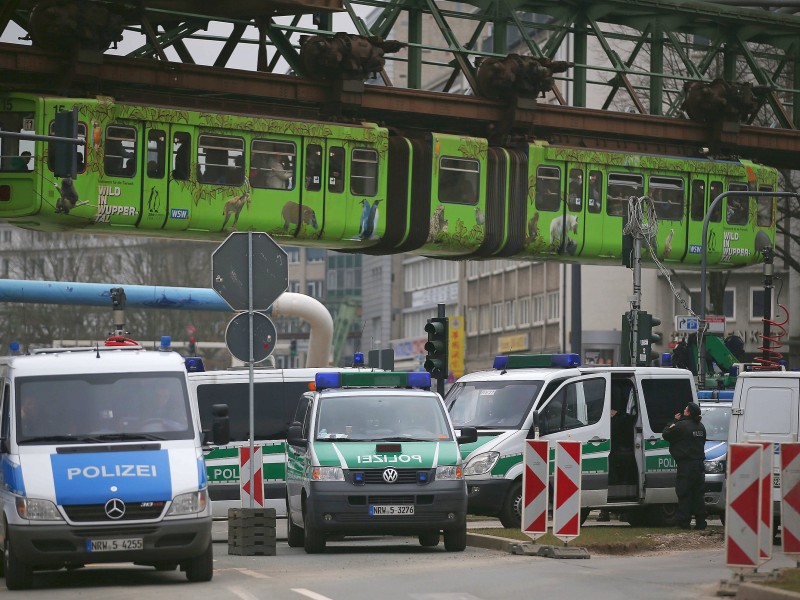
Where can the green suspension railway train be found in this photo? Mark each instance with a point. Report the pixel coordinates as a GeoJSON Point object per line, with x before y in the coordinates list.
{"type": "Point", "coordinates": [156, 171]}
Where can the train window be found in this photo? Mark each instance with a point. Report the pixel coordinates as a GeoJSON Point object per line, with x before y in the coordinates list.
{"type": "Point", "coordinates": [548, 188]}
{"type": "Point", "coordinates": [272, 164]}
{"type": "Point", "coordinates": [575, 190]}
{"type": "Point", "coordinates": [336, 173]}
{"type": "Point", "coordinates": [668, 197]}
{"type": "Point", "coordinates": [15, 154]}
{"type": "Point", "coordinates": [765, 207]}
{"type": "Point", "coordinates": [736, 213]}
{"type": "Point", "coordinates": [119, 152]}
{"type": "Point", "coordinates": [220, 160]}
{"type": "Point", "coordinates": [698, 202]}
{"type": "Point", "coordinates": [459, 179]}
{"type": "Point", "coordinates": [80, 148]}
{"type": "Point", "coordinates": [181, 156]}
{"type": "Point", "coordinates": [622, 186]}
{"type": "Point", "coordinates": [314, 168]}
{"type": "Point", "coordinates": [363, 172]}
{"type": "Point", "coordinates": [595, 191]}
{"type": "Point", "coordinates": [156, 153]}
{"type": "Point", "coordinates": [716, 190]}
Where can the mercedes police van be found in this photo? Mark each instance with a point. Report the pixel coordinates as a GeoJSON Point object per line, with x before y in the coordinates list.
{"type": "Point", "coordinates": [101, 463]}
{"type": "Point", "coordinates": [618, 413]}
{"type": "Point", "coordinates": [374, 453]}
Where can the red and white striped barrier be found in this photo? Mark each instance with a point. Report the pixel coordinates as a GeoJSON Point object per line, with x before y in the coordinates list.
{"type": "Point", "coordinates": [534, 488]}
{"type": "Point", "coordinates": [765, 525]}
{"type": "Point", "coordinates": [567, 505]}
{"type": "Point", "coordinates": [790, 498]}
{"type": "Point", "coordinates": [258, 477]}
{"type": "Point", "coordinates": [742, 513]}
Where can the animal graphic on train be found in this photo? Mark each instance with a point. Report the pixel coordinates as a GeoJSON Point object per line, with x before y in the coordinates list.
{"type": "Point", "coordinates": [361, 187]}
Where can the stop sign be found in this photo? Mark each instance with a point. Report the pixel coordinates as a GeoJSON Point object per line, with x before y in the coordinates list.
{"type": "Point", "coordinates": [246, 257]}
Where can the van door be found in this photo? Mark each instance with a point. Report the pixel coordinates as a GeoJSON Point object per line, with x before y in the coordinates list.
{"type": "Point", "coordinates": [296, 462]}
{"type": "Point", "coordinates": [768, 410]}
{"type": "Point", "coordinates": [580, 410]}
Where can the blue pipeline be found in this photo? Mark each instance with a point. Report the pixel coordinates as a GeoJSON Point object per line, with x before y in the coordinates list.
{"type": "Point", "coordinates": [99, 294]}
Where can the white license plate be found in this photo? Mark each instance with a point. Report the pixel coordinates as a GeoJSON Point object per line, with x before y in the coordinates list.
{"type": "Point", "coordinates": [114, 544]}
{"type": "Point", "coordinates": [776, 481]}
{"type": "Point", "coordinates": [377, 510]}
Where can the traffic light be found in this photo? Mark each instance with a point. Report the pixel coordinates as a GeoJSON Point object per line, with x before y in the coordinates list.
{"type": "Point", "coordinates": [647, 337]}
{"type": "Point", "coordinates": [436, 347]}
{"type": "Point", "coordinates": [293, 348]}
{"type": "Point", "coordinates": [65, 155]}
{"type": "Point", "coordinates": [192, 347]}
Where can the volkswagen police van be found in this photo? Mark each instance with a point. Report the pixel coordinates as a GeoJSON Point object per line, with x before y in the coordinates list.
{"type": "Point", "coordinates": [374, 453]}
{"type": "Point", "coordinates": [101, 463]}
{"type": "Point", "coordinates": [618, 413]}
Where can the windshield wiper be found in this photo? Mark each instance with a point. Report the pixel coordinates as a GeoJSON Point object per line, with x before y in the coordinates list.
{"type": "Point", "coordinates": [403, 438]}
{"type": "Point", "coordinates": [128, 436]}
{"type": "Point", "coordinates": [61, 438]}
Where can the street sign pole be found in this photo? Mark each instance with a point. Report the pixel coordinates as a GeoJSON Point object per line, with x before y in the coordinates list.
{"type": "Point", "coordinates": [251, 362]}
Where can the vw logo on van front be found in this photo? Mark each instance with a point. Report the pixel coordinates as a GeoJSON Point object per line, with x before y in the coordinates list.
{"type": "Point", "coordinates": [390, 475]}
{"type": "Point", "coordinates": [115, 508]}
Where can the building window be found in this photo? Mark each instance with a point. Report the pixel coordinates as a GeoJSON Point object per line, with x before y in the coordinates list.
{"type": "Point", "coordinates": [524, 311]}
{"type": "Point", "coordinates": [511, 309]}
{"type": "Point", "coordinates": [553, 306]}
{"type": "Point", "coordinates": [332, 280]}
{"type": "Point", "coordinates": [538, 309]}
{"type": "Point", "coordinates": [315, 255]}
{"type": "Point", "coordinates": [756, 304]}
{"type": "Point", "coordinates": [294, 254]}
{"type": "Point", "coordinates": [294, 287]}
{"type": "Point", "coordinates": [473, 269]}
{"type": "Point", "coordinates": [472, 321]}
{"type": "Point", "coordinates": [497, 316]}
{"type": "Point", "coordinates": [484, 319]}
{"type": "Point", "coordinates": [729, 303]}
{"type": "Point", "coordinates": [314, 288]}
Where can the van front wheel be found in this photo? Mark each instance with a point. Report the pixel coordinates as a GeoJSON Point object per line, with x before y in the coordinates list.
{"type": "Point", "coordinates": [511, 513]}
{"type": "Point", "coordinates": [455, 540]}
{"type": "Point", "coordinates": [314, 540]}
{"type": "Point", "coordinates": [201, 568]}
{"type": "Point", "coordinates": [19, 576]}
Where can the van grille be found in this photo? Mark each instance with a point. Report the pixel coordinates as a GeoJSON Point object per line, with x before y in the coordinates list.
{"type": "Point", "coordinates": [135, 511]}
{"type": "Point", "coordinates": [403, 476]}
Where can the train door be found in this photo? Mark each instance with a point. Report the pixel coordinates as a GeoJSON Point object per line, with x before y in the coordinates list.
{"type": "Point", "coordinates": [154, 177]}
{"type": "Point", "coordinates": [364, 195]}
{"type": "Point", "coordinates": [698, 205]}
{"type": "Point", "coordinates": [311, 208]}
{"type": "Point", "coordinates": [592, 212]}
{"type": "Point", "coordinates": [178, 206]}
{"type": "Point", "coordinates": [620, 187]}
{"type": "Point", "coordinates": [119, 199]}
{"type": "Point", "coordinates": [335, 203]}
{"type": "Point", "coordinates": [551, 225]}
{"type": "Point", "coordinates": [715, 240]}
{"type": "Point", "coordinates": [576, 205]}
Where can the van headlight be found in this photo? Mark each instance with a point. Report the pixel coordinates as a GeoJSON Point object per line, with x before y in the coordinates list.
{"type": "Point", "coordinates": [714, 466]}
{"type": "Point", "coordinates": [327, 474]}
{"type": "Point", "coordinates": [188, 504]}
{"type": "Point", "coordinates": [483, 463]}
{"type": "Point", "coordinates": [449, 472]}
{"type": "Point", "coordinates": [35, 509]}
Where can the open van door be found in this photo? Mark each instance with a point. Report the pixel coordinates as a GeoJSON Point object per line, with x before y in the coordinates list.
{"type": "Point", "coordinates": [579, 410]}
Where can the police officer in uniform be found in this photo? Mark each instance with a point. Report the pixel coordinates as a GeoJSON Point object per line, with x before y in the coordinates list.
{"type": "Point", "coordinates": [687, 437]}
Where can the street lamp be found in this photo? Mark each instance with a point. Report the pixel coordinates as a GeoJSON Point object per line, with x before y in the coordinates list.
{"type": "Point", "coordinates": [701, 343]}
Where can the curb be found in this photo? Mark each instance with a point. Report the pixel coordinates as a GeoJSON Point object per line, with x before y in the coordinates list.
{"type": "Point", "coordinates": [491, 542]}
{"type": "Point", "coordinates": [754, 591]}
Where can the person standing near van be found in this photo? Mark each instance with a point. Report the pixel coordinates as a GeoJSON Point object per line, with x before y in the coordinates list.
{"type": "Point", "coordinates": [687, 437]}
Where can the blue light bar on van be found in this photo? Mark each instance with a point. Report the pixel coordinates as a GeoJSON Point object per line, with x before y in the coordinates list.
{"type": "Point", "coordinates": [666, 359]}
{"type": "Point", "coordinates": [394, 379]}
{"type": "Point", "coordinates": [715, 395]}
{"type": "Point", "coordinates": [194, 364]}
{"type": "Point", "coordinates": [358, 359]}
{"type": "Point", "coordinates": [528, 361]}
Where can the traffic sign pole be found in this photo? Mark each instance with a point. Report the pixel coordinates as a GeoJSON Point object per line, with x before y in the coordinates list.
{"type": "Point", "coordinates": [252, 385]}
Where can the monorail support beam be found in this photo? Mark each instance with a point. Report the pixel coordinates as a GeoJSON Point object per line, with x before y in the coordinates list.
{"type": "Point", "coordinates": [414, 63]}
{"type": "Point", "coordinates": [657, 66]}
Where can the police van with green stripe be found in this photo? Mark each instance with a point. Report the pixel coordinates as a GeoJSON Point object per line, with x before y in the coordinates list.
{"type": "Point", "coordinates": [375, 453]}
{"type": "Point", "coordinates": [626, 463]}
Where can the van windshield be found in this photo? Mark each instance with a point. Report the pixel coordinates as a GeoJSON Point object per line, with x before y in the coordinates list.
{"type": "Point", "coordinates": [382, 418]}
{"type": "Point", "coordinates": [717, 420]}
{"type": "Point", "coordinates": [491, 404]}
{"type": "Point", "coordinates": [98, 408]}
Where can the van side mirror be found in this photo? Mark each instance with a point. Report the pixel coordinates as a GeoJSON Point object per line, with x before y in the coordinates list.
{"type": "Point", "coordinates": [534, 433]}
{"type": "Point", "coordinates": [294, 436]}
{"type": "Point", "coordinates": [469, 435]}
{"type": "Point", "coordinates": [221, 424]}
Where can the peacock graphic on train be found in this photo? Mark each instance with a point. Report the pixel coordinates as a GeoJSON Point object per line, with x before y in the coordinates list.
{"type": "Point", "coordinates": [156, 171]}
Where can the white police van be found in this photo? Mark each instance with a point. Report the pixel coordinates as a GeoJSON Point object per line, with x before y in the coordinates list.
{"type": "Point", "coordinates": [275, 393]}
{"type": "Point", "coordinates": [716, 409]}
{"type": "Point", "coordinates": [375, 454]}
{"type": "Point", "coordinates": [101, 463]}
{"type": "Point", "coordinates": [626, 463]}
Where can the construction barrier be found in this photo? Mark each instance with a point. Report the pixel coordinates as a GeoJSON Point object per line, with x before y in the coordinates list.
{"type": "Point", "coordinates": [258, 477]}
{"type": "Point", "coordinates": [790, 498]}
{"type": "Point", "coordinates": [765, 525]}
{"type": "Point", "coordinates": [535, 488]}
{"type": "Point", "coordinates": [742, 513]}
{"type": "Point", "coordinates": [567, 504]}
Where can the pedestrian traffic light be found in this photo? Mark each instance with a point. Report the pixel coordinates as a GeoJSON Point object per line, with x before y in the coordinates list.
{"type": "Point", "coordinates": [192, 347]}
{"type": "Point", "coordinates": [293, 348]}
{"type": "Point", "coordinates": [647, 337]}
{"type": "Point", "coordinates": [436, 347]}
{"type": "Point", "coordinates": [65, 155]}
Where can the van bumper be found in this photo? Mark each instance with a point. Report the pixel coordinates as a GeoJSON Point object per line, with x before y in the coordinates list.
{"type": "Point", "coordinates": [714, 493]}
{"type": "Point", "coordinates": [486, 496]}
{"type": "Point", "coordinates": [49, 546]}
{"type": "Point", "coordinates": [336, 507]}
